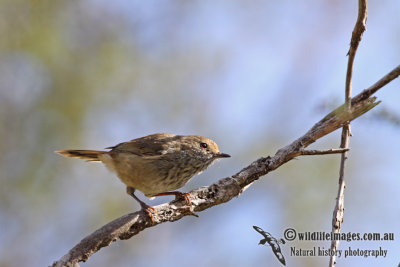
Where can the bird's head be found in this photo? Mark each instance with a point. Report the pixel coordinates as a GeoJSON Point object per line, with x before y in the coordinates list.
{"type": "Point", "coordinates": [202, 147]}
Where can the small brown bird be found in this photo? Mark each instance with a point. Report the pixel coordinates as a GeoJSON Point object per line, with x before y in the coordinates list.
{"type": "Point", "coordinates": [155, 164]}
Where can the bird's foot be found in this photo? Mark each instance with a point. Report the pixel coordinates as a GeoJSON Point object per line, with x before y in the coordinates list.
{"type": "Point", "coordinates": [179, 195]}
{"type": "Point", "coordinates": [149, 210]}
{"type": "Point", "coordinates": [144, 207]}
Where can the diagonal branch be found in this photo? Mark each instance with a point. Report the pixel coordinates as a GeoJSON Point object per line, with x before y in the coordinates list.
{"type": "Point", "coordinates": [223, 190]}
{"type": "Point", "coordinates": [338, 211]}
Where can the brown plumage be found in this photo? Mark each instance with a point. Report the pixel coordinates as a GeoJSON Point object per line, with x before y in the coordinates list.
{"type": "Point", "coordinates": [156, 163]}
{"type": "Point", "coordinates": [89, 155]}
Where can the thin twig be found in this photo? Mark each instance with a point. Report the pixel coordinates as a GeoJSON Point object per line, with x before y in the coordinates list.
{"type": "Point", "coordinates": [378, 85]}
{"type": "Point", "coordinates": [323, 152]}
{"type": "Point", "coordinates": [220, 192]}
{"type": "Point", "coordinates": [338, 211]}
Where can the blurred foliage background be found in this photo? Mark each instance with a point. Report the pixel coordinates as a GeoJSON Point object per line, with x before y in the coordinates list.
{"type": "Point", "coordinates": [252, 75]}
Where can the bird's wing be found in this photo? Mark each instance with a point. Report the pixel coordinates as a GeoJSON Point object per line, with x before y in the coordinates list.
{"type": "Point", "coordinates": [267, 235]}
{"type": "Point", "coordinates": [277, 251]}
{"type": "Point", "coordinates": [151, 145]}
{"type": "Point", "coordinates": [258, 229]}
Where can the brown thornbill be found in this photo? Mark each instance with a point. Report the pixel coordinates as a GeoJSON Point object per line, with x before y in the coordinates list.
{"type": "Point", "coordinates": [155, 164]}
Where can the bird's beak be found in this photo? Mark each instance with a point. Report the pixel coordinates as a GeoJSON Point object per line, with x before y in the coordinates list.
{"type": "Point", "coordinates": [222, 155]}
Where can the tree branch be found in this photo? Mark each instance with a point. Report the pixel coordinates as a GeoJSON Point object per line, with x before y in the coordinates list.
{"type": "Point", "coordinates": [223, 190]}
{"type": "Point", "coordinates": [323, 152]}
{"type": "Point", "coordinates": [376, 86]}
{"type": "Point", "coordinates": [338, 211]}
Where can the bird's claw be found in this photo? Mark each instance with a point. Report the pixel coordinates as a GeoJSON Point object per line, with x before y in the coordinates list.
{"type": "Point", "coordinates": [179, 195]}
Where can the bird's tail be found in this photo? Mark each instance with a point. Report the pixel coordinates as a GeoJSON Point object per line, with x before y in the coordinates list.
{"type": "Point", "coordinates": [89, 155]}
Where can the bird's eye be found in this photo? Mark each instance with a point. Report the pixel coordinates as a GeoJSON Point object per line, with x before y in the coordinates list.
{"type": "Point", "coordinates": [203, 145]}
